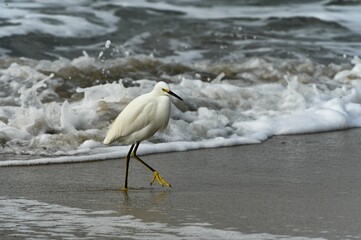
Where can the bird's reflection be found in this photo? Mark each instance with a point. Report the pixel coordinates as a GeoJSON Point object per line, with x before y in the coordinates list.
{"type": "Point", "coordinates": [157, 196]}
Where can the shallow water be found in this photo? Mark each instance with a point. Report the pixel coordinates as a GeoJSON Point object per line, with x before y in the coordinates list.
{"type": "Point", "coordinates": [246, 70]}
{"type": "Point", "coordinates": [25, 218]}
{"type": "Point", "coordinates": [290, 187]}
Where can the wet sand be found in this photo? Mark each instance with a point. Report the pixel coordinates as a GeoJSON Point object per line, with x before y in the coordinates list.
{"type": "Point", "coordinates": [302, 185]}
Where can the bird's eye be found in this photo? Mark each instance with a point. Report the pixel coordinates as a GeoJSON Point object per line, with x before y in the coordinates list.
{"type": "Point", "coordinates": [165, 90]}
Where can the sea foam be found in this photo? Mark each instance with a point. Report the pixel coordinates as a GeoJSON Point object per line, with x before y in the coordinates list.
{"type": "Point", "coordinates": [218, 113]}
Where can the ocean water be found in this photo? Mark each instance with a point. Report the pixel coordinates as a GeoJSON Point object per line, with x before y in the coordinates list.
{"type": "Point", "coordinates": [39, 220]}
{"type": "Point", "coordinates": [247, 70]}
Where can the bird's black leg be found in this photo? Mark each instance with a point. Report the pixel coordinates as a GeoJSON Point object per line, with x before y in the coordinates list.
{"type": "Point", "coordinates": [156, 175]}
{"type": "Point", "coordinates": [125, 188]}
{"type": "Point", "coordinates": [138, 158]}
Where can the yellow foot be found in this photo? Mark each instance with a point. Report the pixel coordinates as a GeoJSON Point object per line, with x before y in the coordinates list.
{"type": "Point", "coordinates": [124, 189]}
{"type": "Point", "coordinates": [160, 180]}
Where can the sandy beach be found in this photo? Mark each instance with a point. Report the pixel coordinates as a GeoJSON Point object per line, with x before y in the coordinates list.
{"type": "Point", "coordinates": [289, 186]}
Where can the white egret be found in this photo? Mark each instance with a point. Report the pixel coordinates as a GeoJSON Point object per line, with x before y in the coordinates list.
{"type": "Point", "coordinates": [139, 120]}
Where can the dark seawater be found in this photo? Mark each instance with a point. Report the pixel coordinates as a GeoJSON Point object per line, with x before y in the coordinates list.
{"type": "Point", "coordinates": [217, 31]}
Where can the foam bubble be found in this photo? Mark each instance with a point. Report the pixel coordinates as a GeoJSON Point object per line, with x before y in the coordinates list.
{"type": "Point", "coordinates": [100, 54]}
{"type": "Point", "coordinates": [107, 44]}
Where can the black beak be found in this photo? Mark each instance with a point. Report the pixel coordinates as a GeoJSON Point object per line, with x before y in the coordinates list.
{"type": "Point", "coordinates": [175, 95]}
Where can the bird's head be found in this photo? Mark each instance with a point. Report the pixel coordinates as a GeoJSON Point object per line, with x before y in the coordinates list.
{"type": "Point", "coordinates": [163, 89]}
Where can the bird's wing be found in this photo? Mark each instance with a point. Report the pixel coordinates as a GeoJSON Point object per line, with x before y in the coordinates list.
{"type": "Point", "coordinates": [135, 116]}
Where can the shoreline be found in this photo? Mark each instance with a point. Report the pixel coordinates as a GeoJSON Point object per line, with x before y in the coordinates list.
{"type": "Point", "coordinates": [294, 185]}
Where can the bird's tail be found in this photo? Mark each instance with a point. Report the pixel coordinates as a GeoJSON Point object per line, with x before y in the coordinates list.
{"type": "Point", "coordinates": [109, 138]}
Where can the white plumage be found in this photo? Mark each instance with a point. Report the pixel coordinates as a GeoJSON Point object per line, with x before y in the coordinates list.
{"type": "Point", "coordinates": [141, 119]}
